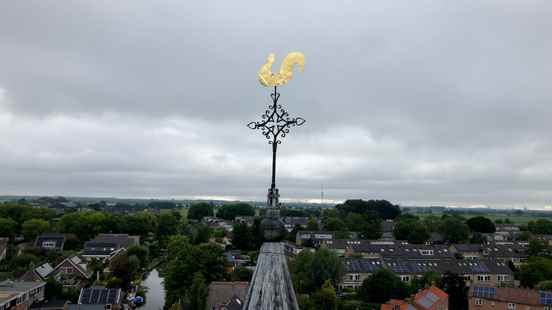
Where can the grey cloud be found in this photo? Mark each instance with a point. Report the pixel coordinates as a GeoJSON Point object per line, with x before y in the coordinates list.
{"type": "Point", "coordinates": [418, 102]}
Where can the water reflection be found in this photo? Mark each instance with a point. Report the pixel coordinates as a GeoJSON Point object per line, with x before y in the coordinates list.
{"type": "Point", "coordinates": [155, 295]}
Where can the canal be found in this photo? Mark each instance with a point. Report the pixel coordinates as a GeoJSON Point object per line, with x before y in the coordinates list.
{"type": "Point", "coordinates": [155, 294]}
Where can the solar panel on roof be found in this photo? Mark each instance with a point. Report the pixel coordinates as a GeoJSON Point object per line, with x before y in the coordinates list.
{"type": "Point", "coordinates": [428, 300]}
{"type": "Point", "coordinates": [545, 298]}
{"type": "Point", "coordinates": [484, 292]}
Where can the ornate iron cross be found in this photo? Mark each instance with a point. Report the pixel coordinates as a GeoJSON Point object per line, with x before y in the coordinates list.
{"type": "Point", "coordinates": [275, 125]}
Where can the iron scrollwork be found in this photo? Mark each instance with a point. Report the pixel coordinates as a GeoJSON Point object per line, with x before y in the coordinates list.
{"type": "Point", "coordinates": [276, 121]}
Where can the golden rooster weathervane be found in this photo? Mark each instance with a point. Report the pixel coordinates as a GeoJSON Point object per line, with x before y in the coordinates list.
{"type": "Point", "coordinates": [275, 125]}
{"type": "Point", "coordinates": [269, 79]}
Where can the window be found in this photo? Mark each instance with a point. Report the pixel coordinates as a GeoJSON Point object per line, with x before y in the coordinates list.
{"type": "Point", "coordinates": [396, 307]}
{"type": "Point", "coordinates": [546, 307]}
{"type": "Point", "coordinates": [49, 244]}
{"type": "Point", "coordinates": [405, 278]}
{"type": "Point", "coordinates": [502, 277]}
{"type": "Point", "coordinates": [67, 270]}
{"type": "Point", "coordinates": [478, 301]}
{"type": "Point", "coordinates": [511, 306]}
{"type": "Point", "coordinates": [483, 278]}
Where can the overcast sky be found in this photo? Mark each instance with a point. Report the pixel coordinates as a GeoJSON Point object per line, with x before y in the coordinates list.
{"type": "Point", "coordinates": [418, 102]}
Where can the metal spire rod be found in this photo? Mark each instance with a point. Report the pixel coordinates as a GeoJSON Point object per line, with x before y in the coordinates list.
{"type": "Point", "coordinates": [275, 125]}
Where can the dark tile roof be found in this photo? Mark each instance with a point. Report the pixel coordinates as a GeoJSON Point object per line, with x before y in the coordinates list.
{"type": "Point", "coordinates": [468, 247]}
{"type": "Point", "coordinates": [405, 266]}
{"type": "Point", "coordinates": [222, 293]}
{"type": "Point", "coordinates": [100, 295]}
{"type": "Point", "coordinates": [410, 251]}
{"type": "Point", "coordinates": [513, 295]}
{"type": "Point", "coordinates": [59, 239]}
{"type": "Point", "coordinates": [362, 265]}
{"type": "Point", "coordinates": [505, 250]}
{"type": "Point", "coordinates": [482, 266]}
{"type": "Point", "coordinates": [105, 244]}
{"type": "Point", "coordinates": [295, 220]}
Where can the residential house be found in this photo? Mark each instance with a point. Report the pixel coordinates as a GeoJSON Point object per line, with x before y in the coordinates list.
{"type": "Point", "coordinates": [431, 298]}
{"type": "Point", "coordinates": [514, 252]}
{"type": "Point", "coordinates": [215, 222]}
{"type": "Point", "coordinates": [474, 271]}
{"type": "Point", "coordinates": [248, 220]}
{"type": "Point", "coordinates": [98, 298]}
{"type": "Point", "coordinates": [290, 222]}
{"type": "Point", "coordinates": [488, 272]}
{"type": "Point", "coordinates": [357, 270]}
{"type": "Point", "coordinates": [72, 272]}
{"type": "Point", "coordinates": [20, 295]}
{"type": "Point", "coordinates": [39, 273]}
{"type": "Point", "coordinates": [545, 238]}
{"type": "Point", "coordinates": [349, 247]}
{"type": "Point", "coordinates": [467, 250]}
{"type": "Point", "coordinates": [314, 238]}
{"type": "Point", "coordinates": [292, 248]}
{"type": "Point", "coordinates": [235, 259]}
{"type": "Point", "coordinates": [105, 246]}
{"type": "Point", "coordinates": [3, 248]}
{"type": "Point", "coordinates": [409, 270]}
{"type": "Point", "coordinates": [226, 295]}
{"type": "Point", "coordinates": [50, 304]}
{"type": "Point", "coordinates": [50, 241]}
{"type": "Point", "coordinates": [406, 251]}
{"type": "Point", "coordinates": [506, 298]}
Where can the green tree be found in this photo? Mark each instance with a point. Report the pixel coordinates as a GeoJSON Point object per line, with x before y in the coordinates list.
{"type": "Point", "coordinates": [383, 208]}
{"type": "Point", "coordinates": [325, 298]}
{"type": "Point", "coordinates": [230, 211]}
{"type": "Point", "coordinates": [199, 210]}
{"type": "Point", "coordinates": [168, 224]}
{"type": "Point", "coordinates": [198, 233]}
{"type": "Point", "coordinates": [312, 224]}
{"type": "Point", "coordinates": [454, 229]}
{"type": "Point", "coordinates": [34, 227]}
{"type": "Point", "coordinates": [382, 286]}
{"type": "Point", "coordinates": [333, 224]}
{"type": "Point", "coordinates": [311, 270]}
{"type": "Point", "coordinates": [537, 247]}
{"type": "Point", "coordinates": [87, 225]}
{"type": "Point", "coordinates": [198, 292]}
{"type": "Point", "coordinates": [141, 252]}
{"type": "Point", "coordinates": [432, 223]}
{"type": "Point", "coordinates": [545, 285]}
{"type": "Point", "coordinates": [367, 225]}
{"type": "Point", "coordinates": [455, 286]}
{"type": "Point", "coordinates": [120, 268]}
{"type": "Point", "coordinates": [8, 227]}
{"type": "Point", "coordinates": [536, 269]}
{"type": "Point", "coordinates": [21, 263]}
{"type": "Point", "coordinates": [428, 279]}
{"type": "Point", "coordinates": [411, 230]}
{"type": "Point", "coordinates": [481, 224]}
{"type": "Point", "coordinates": [140, 223]}
{"type": "Point", "coordinates": [53, 288]}
{"type": "Point", "coordinates": [540, 226]}
{"type": "Point", "coordinates": [241, 237]}
{"type": "Point", "coordinates": [184, 260]}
